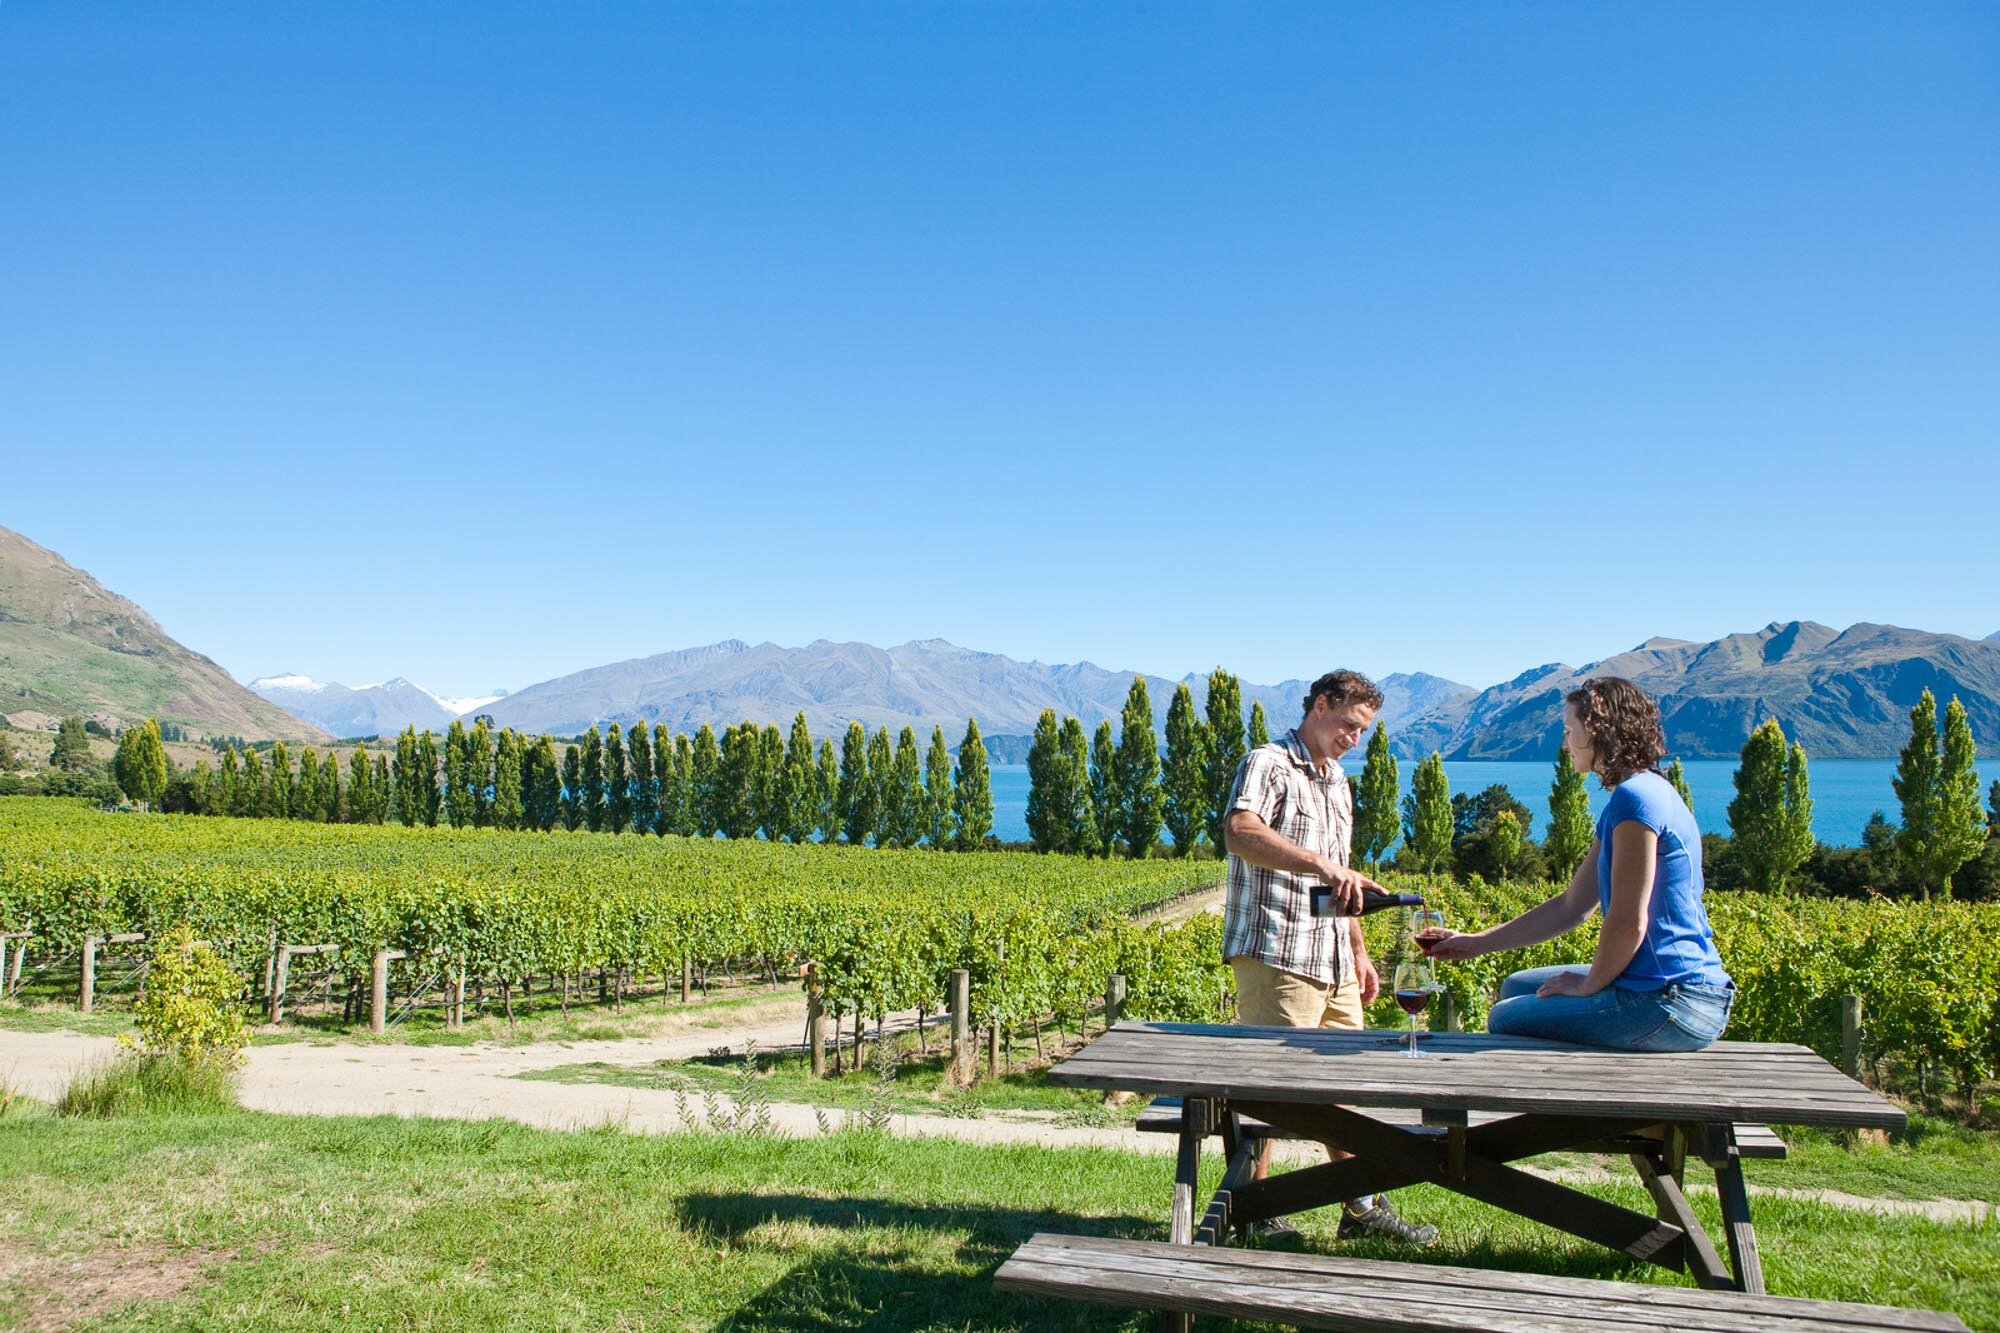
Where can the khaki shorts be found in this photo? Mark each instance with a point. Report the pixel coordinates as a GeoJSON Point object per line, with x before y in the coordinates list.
{"type": "Point", "coordinates": [1266, 997]}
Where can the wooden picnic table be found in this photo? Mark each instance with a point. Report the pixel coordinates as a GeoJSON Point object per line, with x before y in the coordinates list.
{"type": "Point", "coordinates": [1655, 1109]}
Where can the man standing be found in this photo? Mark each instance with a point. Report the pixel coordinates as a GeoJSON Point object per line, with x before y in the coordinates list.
{"type": "Point", "coordinates": [1289, 827]}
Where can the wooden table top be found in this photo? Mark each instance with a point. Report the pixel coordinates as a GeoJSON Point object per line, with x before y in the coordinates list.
{"type": "Point", "coordinates": [1729, 1081]}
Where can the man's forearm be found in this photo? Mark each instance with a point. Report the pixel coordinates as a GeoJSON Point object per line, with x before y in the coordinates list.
{"type": "Point", "coordinates": [1254, 841]}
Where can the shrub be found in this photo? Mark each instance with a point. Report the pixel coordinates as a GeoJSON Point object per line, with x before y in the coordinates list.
{"type": "Point", "coordinates": [190, 1042]}
{"type": "Point", "coordinates": [187, 1011]}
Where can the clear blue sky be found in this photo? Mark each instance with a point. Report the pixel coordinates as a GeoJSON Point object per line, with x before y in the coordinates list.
{"type": "Point", "coordinates": [480, 343]}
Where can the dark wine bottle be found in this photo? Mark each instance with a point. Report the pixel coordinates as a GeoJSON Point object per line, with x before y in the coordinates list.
{"type": "Point", "coordinates": [1372, 900]}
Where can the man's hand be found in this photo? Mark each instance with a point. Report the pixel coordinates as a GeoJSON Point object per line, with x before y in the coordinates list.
{"type": "Point", "coordinates": [1370, 979]}
{"type": "Point", "coordinates": [1346, 886]}
{"type": "Point", "coordinates": [1566, 983]}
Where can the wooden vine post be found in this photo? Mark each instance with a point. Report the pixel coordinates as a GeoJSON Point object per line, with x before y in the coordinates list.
{"type": "Point", "coordinates": [87, 991]}
{"type": "Point", "coordinates": [10, 977]}
{"type": "Point", "coordinates": [815, 1016]}
{"type": "Point", "coordinates": [1114, 999]}
{"type": "Point", "coordinates": [961, 1025]}
{"type": "Point", "coordinates": [282, 968]}
{"type": "Point", "coordinates": [378, 989]}
{"type": "Point", "coordinates": [1850, 1035]}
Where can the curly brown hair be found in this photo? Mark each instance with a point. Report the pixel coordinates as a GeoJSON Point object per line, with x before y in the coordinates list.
{"type": "Point", "coordinates": [1624, 726]}
{"type": "Point", "coordinates": [1340, 687]}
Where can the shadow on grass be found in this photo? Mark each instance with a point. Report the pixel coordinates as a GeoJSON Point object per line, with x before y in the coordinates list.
{"type": "Point", "coordinates": [867, 1281]}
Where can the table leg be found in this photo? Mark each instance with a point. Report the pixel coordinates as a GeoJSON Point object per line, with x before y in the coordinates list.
{"type": "Point", "coordinates": [1195, 1118]}
{"type": "Point", "coordinates": [1197, 1121]}
{"type": "Point", "coordinates": [1735, 1199]}
{"type": "Point", "coordinates": [1673, 1207]}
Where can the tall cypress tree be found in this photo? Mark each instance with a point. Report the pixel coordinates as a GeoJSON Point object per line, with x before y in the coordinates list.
{"type": "Point", "coordinates": [427, 778]}
{"type": "Point", "coordinates": [542, 785]}
{"type": "Point", "coordinates": [306, 803]}
{"type": "Point", "coordinates": [335, 802]}
{"type": "Point", "coordinates": [670, 777]}
{"type": "Point", "coordinates": [278, 800]}
{"type": "Point", "coordinates": [479, 772]}
{"type": "Point", "coordinates": [736, 781]}
{"type": "Point", "coordinates": [617, 782]}
{"type": "Point", "coordinates": [972, 793]}
{"type": "Point", "coordinates": [772, 805]}
{"type": "Point", "coordinates": [800, 789]}
{"type": "Point", "coordinates": [409, 802]}
{"type": "Point", "coordinates": [882, 776]}
{"type": "Point", "coordinates": [645, 785]}
{"type": "Point", "coordinates": [1943, 826]}
{"type": "Point", "coordinates": [1048, 828]}
{"type": "Point", "coordinates": [256, 787]}
{"type": "Point", "coordinates": [1260, 731]}
{"type": "Point", "coordinates": [1770, 820]}
{"type": "Point", "coordinates": [826, 795]}
{"type": "Point", "coordinates": [1226, 746]}
{"type": "Point", "coordinates": [572, 788]}
{"type": "Point", "coordinates": [509, 810]}
{"type": "Point", "coordinates": [1377, 799]}
{"type": "Point", "coordinates": [141, 763]}
{"type": "Point", "coordinates": [1677, 776]}
{"type": "Point", "coordinates": [1137, 773]}
{"type": "Point", "coordinates": [1075, 799]}
{"type": "Point", "coordinates": [704, 787]}
{"type": "Point", "coordinates": [911, 817]}
{"type": "Point", "coordinates": [937, 791]}
{"type": "Point", "coordinates": [857, 789]}
{"type": "Point", "coordinates": [228, 785]}
{"type": "Point", "coordinates": [592, 802]}
{"type": "Point", "coordinates": [677, 804]}
{"type": "Point", "coordinates": [457, 784]}
{"type": "Point", "coordinates": [1570, 830]}
{"type": "Point", "coordinates": [1188, 807]}
{"type": "Point", "coordinates": [382, 789]}
{"type": "Point", "coordinates": [360, 788]}
{"type": "Point", "coordinates": [1104, 787]}
{"type": "Point", "coordinates": [1427, 815]}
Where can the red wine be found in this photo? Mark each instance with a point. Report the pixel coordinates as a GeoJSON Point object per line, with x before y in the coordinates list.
{"type": "Point", "coordinates": [1414, 1002]}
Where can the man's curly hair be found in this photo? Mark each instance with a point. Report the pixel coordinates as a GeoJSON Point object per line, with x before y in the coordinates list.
{"type": "Point", "coordinates": [1624, 726]}
{"type": "Point", "coordinates": [1341, 687]}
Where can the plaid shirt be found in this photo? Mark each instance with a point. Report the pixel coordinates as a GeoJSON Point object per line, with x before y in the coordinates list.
{"type": "Point", "coordinates": [1268, 915]}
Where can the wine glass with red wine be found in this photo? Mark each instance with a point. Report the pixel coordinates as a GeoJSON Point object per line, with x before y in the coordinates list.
{"type": "Point", "coordinates": [1415, 984]}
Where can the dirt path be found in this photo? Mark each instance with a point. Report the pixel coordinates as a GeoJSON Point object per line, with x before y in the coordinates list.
{"type": "Point", "coordinates": [479, 1082]}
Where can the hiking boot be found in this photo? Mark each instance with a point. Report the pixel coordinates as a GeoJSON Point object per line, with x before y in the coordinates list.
{"type": "Point", "coordinates": [1382, 1220]}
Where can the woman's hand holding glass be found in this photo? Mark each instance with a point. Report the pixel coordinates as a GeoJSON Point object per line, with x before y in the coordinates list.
{"type": "Point", "coordinates": [1450, 946]}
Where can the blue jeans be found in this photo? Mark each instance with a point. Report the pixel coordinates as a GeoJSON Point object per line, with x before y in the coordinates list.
{"type": "Point", "coordinates": [1685, 1016]}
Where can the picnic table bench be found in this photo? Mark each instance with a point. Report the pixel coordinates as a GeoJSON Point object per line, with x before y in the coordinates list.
{"type": "Point", "coordinates": [1331, 1291]}
{"type": "Point", "coordinates": [1480, 1103]}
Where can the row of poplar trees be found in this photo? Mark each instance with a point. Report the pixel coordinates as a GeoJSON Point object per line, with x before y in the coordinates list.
{"type": "Point", "coordinates": [751, 781]}
{"type": "Point", "coordinates": [1109, 795]}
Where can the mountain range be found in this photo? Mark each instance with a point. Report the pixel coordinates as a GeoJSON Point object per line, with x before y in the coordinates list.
{"type": "Point", "coordinates": [365, 710]}
{"type": "Point", "coordinates": [68, 645]}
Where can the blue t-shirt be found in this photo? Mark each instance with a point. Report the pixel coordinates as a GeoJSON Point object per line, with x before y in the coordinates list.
{"type": "Point", "coordinates": [1678, 945]}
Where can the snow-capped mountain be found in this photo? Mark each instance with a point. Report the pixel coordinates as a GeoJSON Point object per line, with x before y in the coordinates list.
{"type": "Point", "coordinates": [381, 709]}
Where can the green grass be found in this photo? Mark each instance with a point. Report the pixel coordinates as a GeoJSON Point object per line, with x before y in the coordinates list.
{"type": "Point", "coordinates": [1930, 1159]}
{"type": "Point", "coordinates": [370, 1223]}
{"type": "Point", "coordinates": [921, 1085]}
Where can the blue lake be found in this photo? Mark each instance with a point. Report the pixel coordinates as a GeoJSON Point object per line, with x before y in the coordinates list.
{"type": "Point", "coordinates": [1844, 791]}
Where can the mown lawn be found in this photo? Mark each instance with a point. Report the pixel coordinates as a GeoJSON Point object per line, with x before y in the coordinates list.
{"type": "Point", "coordinates": [248, 1220]}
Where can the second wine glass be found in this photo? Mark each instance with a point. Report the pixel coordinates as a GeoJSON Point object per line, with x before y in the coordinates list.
{"type": "Point", "coordinates": [1415, 984]}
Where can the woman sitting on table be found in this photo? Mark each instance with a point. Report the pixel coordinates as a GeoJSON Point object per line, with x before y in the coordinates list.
{"type": "Point", "coordinates": [1656, 982]}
